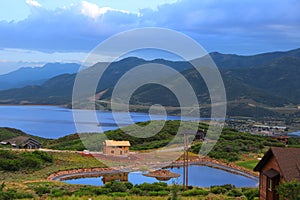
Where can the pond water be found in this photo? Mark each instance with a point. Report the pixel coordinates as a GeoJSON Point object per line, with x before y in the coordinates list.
{"type": "Point", "coordinates": [201, 176]}
{"type": "Point", "coordinates": [54, 121]}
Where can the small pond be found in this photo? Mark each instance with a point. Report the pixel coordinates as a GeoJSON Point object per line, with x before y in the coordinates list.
{"type": "Point", "coordinates": [201, 176]}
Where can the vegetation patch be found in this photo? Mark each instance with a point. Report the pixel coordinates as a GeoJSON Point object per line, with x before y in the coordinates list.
{"type": "Point", "coordinates": [232, 144]}
{"type": "Point", "coordinates": [17, 161]}
{"type": "Point", "coordinates": [249, 164]}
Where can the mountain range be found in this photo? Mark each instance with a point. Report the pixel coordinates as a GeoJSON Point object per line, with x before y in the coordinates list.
{"type": "Point", "coordinates": [254, 84]}
{"type": "Point", "coordinates": [35, 75]}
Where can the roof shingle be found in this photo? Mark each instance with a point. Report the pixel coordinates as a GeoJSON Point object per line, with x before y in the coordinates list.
{"type": "Point", "coordinates": [288, 160]}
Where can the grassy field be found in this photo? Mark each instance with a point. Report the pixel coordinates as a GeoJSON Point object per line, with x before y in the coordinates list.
{"type": "Point", "coordinates": [119, 190]}
{"type": "Point", "coordinates": [62, 161]}
{"type": "Point", "coordinates": [249, 164]}
{"type": "Point", "coordinates": [32, 185]}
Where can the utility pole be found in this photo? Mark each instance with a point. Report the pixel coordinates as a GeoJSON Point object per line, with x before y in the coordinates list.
{"type": "Point", "coordinates": [185, 163]}
{"type": "Point", "coordinates": [184, 171]}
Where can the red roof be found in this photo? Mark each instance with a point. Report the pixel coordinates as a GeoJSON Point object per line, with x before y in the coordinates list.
{"type": "Point", "coordinates": [288, 160]}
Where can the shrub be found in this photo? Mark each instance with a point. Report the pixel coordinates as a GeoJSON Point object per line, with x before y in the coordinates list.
{"type": "Point", "coordinates": [153, 186]}
{"type": "Point", "coordinates": [235, 193]}
{"type": "Point", "coordinates": [128, 185]}
{"type": "Point", "coordinates": [174, 192]}
{"type": "Point", "coordinates": [119, 194]}
{"type": "Point", "coordinates": [116, 186]}
{"type": "Point", "coordinates": [158, 193]}
{"type": "Point", "coordinates": [15, 161]}
{"type": "Point", "coordinates": [31, 162]}
{"type": "Point", "coordinates": [44, 156]}
{"type": "Point", "coordinates": [41, 190]}
{"type": "Point", "coordinates": [218, 190]}
{"type": "Point", "coordinates": [289, 190]}
{"type": "Point", "coordinates": [103, 191]}
{"type": "Point", "coordinates": [228, 186]}
{"type": "Point", "coordinates": [251, 193]}
{"type": "Point", "coordinates": [88, 190]}
{"type": "Point", "coordinates": [195, 192]}
{"type": "Point", "coordinates": [136, 191]}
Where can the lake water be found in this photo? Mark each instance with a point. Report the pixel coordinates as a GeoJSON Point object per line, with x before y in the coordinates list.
{"type": "Point", "coordinates": [201, 176]}
{"type": "Point", "coordinates": [294, 134]}
{"type": "Point", "coordinates": [54, 121]}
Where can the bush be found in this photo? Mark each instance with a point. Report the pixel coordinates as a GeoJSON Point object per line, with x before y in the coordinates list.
{"type": "Point", "coordinates": [174, 192]}
{"type": "Point", "coordinates": [43, 156]}
{"type": "Point", "coordinates": [15, 161]}
{"type": "Point", "coordinates": [195, 192]}
{"type": "Point", "coordinates": [158, 193]}
{"type": "Point", "coordinates": [89, 190]}
{"type": "Point", "coordinates": [289, 190]}
{"type": "Point", "coordinates": [228, 186]}
{"type": "Point", "coordinates": [116, 186]}
{"type": "Point", "coordinates": [251, 193]}
{"type": "Point", "coordinates": [218, 190]}
{"type": "Point", "coordinates": [41, 190]}
{"type": "Point", "coordinates": [136, 191]}
{"type": "Point", "coordinates": [31, 162]}
{"type": "Point", "coordinates": [232, 144]}
{"type": "Point", "coordinates": [119, 194]}
{"type": "Point", "coordinates": [154, 186]}
{"type": "Point", "coordinates": [128, 185]}
{"type": "Point", "coordinates": [103, 191]}
{"type": "Point", "coordinates": [10, 165]}
{"type": "Point", "coordinates": [11, 194]}
{"type": "Point", "coordinates": [235, 193]}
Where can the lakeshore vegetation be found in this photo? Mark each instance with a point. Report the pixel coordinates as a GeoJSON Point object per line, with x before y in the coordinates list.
{"type": "Point", "coordinates": [23, 174]}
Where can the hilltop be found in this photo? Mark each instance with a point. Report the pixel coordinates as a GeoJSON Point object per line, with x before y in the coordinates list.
{"type": "Point", "coordinates": [255, 85]}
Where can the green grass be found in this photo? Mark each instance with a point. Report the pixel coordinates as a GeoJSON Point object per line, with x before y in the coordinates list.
{"type": "Point", "coordinates": [62, 161]}
{"type": "Point", "coordinates": [8, 133]}
{"type": "Point", "coordinates": [121, 190]}
{"type": "Point", "coordinates": [249, 164]}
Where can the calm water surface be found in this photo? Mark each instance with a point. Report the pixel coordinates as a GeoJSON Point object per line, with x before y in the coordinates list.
{"type": "Point", "coordinates": [201, 176]}
{"type": "Point", "coordinates": [54, 121]}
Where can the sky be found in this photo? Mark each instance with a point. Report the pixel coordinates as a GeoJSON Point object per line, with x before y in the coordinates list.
{"type": "Point", "coordinates": [33, 32]}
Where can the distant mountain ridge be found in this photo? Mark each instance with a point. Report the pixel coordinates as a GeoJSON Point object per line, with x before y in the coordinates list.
{"type": "Point", "coordinates": [252, 83]}
{"type": "Point", "coordinates": [259, 60]}
{"type": "Point", "coordinates": [26, 76]}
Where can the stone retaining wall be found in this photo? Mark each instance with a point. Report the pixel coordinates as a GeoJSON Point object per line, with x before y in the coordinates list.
{"type": "Point", "coordinates": [79, 171]}
{"type": "Point", "coordinates": [198, 161]}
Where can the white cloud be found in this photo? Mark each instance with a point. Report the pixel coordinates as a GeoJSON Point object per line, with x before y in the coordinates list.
{"type": "Point", "coordinates": [226, 26]}
{"type": "Point", "coordinates": [33, 3]}
{"type": "Point", "coordinates": [94, 11]}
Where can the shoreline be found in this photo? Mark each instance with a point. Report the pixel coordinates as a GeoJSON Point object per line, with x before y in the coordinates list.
{"type": "Point", "coordinates": [97, 172]}
{"type": "Point", "coordinates": [52, 105]}
{"type": "Point", "coordinates": [292, 133]}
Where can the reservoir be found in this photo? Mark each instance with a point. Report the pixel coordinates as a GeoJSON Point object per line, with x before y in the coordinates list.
{"type": "Point", "coordinates": [55, 121]}
{"type": "Point", "coordinates": [201, 176]}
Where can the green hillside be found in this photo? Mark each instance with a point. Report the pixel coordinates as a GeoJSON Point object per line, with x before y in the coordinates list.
{"type": "Point", "coordinates": [8, 133]}
{"type": "Point", "coordinates": [253, 84]}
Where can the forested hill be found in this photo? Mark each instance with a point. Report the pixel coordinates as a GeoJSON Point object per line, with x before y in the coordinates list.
{"type": "Point", "coordinates": [264, 80]}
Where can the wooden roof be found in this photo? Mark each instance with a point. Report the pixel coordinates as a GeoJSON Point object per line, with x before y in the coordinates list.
{"type": "Point", "coordinates": [288, 160]}
{"type": "Point", "coordinates": [19, 140]}
{"type": "Point", "coordinates": [117, 143]}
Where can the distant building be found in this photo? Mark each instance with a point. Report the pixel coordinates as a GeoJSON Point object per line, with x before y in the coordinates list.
{"type": "Point", "coordinates": [277, 166]}
{"type": "Point", "coordinates": [200, 135]}
{"type": "Point", "coordinates": [22, 142]}
{"type": "Point", "coordinates": [116, 148]}
{"type": "Point", "coordinates": [282, 138]}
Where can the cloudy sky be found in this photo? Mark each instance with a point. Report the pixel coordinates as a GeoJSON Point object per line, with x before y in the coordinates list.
{"type": "Point", "coordinates": [39, 31]}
